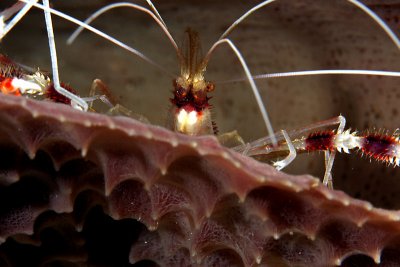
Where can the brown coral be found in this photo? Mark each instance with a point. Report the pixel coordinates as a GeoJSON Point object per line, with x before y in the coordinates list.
{"type": "Point", "coordinates": [87, 189]}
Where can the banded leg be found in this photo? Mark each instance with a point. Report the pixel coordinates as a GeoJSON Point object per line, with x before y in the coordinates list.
{"type": "Point", "coordinates": [263, 147]}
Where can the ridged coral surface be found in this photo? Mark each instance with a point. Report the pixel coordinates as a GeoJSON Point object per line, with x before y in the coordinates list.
{"type": "Point", "coordinates": [81, 189]}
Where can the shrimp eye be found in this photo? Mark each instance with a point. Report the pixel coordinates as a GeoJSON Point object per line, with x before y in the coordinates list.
{"type": "Point", "coordinates": [200, 97]}
{"type": "Point", "coordinates": [210, 87]}
{"type": "Point", "coordinates": [180, 93]}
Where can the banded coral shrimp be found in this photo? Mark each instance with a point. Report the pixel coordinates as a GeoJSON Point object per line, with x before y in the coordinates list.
{"type": "Point", "coordinates": [232, 111]}
{"type": "Point", "coordinates": [306, 16]}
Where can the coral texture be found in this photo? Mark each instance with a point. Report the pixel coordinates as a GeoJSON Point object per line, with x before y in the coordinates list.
{"type": "Point", "coordinates": [83, 189]}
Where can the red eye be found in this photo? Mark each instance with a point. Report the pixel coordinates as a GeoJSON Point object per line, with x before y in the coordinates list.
{"type": "Point", "coordinates": [180, 93]}
{"type": "Point", "coordinates": [210, 87]}
{"type": "Point", "coordinates": [200, 98]}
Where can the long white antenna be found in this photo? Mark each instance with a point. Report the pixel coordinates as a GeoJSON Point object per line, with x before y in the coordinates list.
{"type": "Point", "coordinates": [251, 81]}
{"type": "Point", "coordinates": [153, 7]}
{"type": "Point", "coordinates": [357, 3]}
{"type": "Point", "coordinates": [21, 8]}
{"type": "Point", "coordinates": [325, 72]}
{"type": "Point", "coordinates": [243, 17]}
{"type": "Point", "coordinates": [104, 9]}
{"type": "Point", "coordinates": [10, 11]}
{"type": "Point", "coordinates": [364, 8]}
{"type": "Point", "coordinates": [76, 101]}
{"type": "Point", "coordinates": [102, 34]}
{"type": "Point", "coordinates": [360, 5]}
{"type": "Point", "coordinates": [317, 72]}
{"type": "Point", "coordinates": [378, 20]}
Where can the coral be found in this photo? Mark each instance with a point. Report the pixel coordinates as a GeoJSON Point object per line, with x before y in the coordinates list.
{"type": "Point", "coordinates": [87, 189]}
